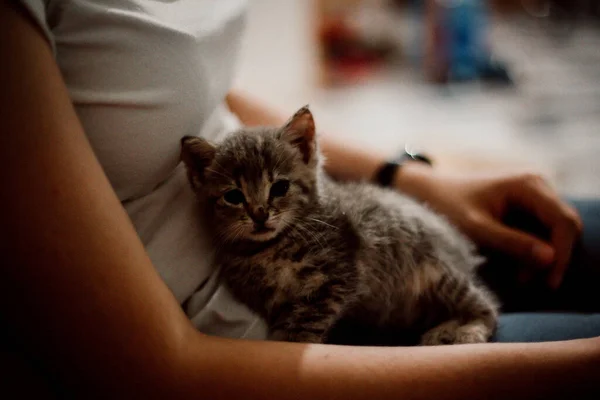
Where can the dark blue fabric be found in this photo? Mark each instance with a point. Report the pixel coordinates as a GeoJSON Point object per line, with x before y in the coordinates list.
{"type": "Point", "coordinates": [533, 313]}
{"type": "Point", "coordinates": [545, 327]}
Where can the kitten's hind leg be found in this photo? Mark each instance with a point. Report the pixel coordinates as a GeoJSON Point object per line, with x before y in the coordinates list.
{"type": "Point", "coordinates": [473, 313]}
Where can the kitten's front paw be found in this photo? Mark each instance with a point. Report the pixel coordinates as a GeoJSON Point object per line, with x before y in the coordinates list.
{"type": "Point", "coordinates": [442, 334]}
{"type": "Point", "coordinates": [302, 337]}
{"type": "Point", "coordinates": [452, 332]}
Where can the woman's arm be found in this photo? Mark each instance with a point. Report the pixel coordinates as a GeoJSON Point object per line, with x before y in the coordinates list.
{"type": "Point", "coordinates": [490, 371]}
{"type": "Point", "coordinates": [78, 288]}
{"type": "Point", "coordinates": [77, 285]}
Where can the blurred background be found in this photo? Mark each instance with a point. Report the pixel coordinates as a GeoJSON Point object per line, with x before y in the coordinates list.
{"type": "Point", "coordinates": [478, 84]}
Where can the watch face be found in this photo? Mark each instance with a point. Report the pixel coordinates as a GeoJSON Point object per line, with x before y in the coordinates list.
{"type": "Point", "coordinates": [412, 153]}
{"type": "Point", "coordinates": [410, 149]}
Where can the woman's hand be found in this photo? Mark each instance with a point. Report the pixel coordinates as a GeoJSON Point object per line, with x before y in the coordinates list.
{"type": "Point", "coordinates": [477, 205]}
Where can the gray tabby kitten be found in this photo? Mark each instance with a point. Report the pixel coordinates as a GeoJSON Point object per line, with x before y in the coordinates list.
{"type": "Point", "coordinates": [304, 251]}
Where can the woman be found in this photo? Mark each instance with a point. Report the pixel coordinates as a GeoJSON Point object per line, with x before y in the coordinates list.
{"type": "Point", "coordinates": [104, 250]}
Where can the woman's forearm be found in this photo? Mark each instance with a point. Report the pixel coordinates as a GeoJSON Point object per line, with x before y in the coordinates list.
{"type": "Point", "coordinates": [223, 368]}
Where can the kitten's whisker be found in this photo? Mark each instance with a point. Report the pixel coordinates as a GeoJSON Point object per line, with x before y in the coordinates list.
{"type": "Point", "coordinates": [322, 222]}
{"type": "Point", "coordinates": [311, 233]}
{"type": "Point", "coordinates": [293, 227]}
{"type": "Point", "coordinates": [295, 231]}
{"type": "Point", "coordinates": [231, 234]}
{"type": "Point", "coordinates": [238, 233]}
{"type": "Point", "coordinates": [317, 231]}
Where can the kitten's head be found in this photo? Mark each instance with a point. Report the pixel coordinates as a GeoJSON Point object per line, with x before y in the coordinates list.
{"type": "Point", "coordinates": [257, 181]}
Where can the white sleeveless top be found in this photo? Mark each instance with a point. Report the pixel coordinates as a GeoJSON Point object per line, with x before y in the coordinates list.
{"type": "Point", "coordinates": [142, 74]}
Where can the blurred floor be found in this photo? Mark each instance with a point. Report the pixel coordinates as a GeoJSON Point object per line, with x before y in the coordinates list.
{"type": "Point", "coordinates": [550, 122]}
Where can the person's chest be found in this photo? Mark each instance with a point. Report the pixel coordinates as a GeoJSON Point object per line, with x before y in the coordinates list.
{"type": "Point", "coordinates": [142, 74]}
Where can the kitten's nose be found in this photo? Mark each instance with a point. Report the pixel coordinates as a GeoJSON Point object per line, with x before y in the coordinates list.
{"type": "Point", "coordinates": [259, 215]}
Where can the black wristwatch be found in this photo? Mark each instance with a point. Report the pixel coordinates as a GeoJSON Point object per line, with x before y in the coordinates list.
{"type": "Point", "coordinates": [386, 173]}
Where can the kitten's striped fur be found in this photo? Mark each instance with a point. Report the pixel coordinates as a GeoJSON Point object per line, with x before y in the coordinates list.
{"type": "Point", "coordinates": [328, 251]}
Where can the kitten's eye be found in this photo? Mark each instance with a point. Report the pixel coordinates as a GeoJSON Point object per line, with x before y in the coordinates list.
{"type": "Point", "coordinates": [279, 188]}
{"type": "Point", "coordinates": [234, 197]}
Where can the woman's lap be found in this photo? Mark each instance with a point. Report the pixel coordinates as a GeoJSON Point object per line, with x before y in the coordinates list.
{"type": "Point", "coordinates": [533, 312]}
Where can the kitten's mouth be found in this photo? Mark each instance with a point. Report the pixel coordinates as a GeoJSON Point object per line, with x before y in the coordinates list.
{"type": "Point", "coordinates": [263, 233]}
{"type": "Point", "coordinates": [261, 230]}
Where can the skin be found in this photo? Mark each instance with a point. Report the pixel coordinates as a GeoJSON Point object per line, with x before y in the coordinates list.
{"type": "Point", "coordinates": [83, 304]}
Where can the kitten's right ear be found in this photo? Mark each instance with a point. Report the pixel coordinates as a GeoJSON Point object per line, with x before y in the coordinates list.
{"type": "Point", "coordinates": [196, 154]}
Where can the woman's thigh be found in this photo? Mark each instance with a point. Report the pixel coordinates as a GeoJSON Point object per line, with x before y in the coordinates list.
{"type": "Point", "coordinates": [580, 291]}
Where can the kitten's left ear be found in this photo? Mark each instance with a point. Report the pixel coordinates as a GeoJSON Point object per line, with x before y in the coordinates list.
{"type": "Point", "coordinates": [196, 154]}
{"type": "Point", "coordinates": [299, 131]}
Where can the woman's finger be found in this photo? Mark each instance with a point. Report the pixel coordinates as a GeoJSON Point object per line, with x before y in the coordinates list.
{"type": "Point", "coordinates": [525, 276]}
{"type": "Point", "coordinates": [520, 245]}
{"type": "Point", "coordinates": [564, 235]}
{"type": "Point", "coordinates": [533, 195]}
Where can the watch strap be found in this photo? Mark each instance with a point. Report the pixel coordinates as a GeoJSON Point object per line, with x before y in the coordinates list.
{"type": "Point", "coordinates": [386, 173]}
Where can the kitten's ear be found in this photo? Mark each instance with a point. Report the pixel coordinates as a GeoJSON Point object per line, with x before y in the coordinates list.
{"type": "Point", "coordinates": [299, 131]}
{"type": "Point", "coordinates": [196, 154]}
